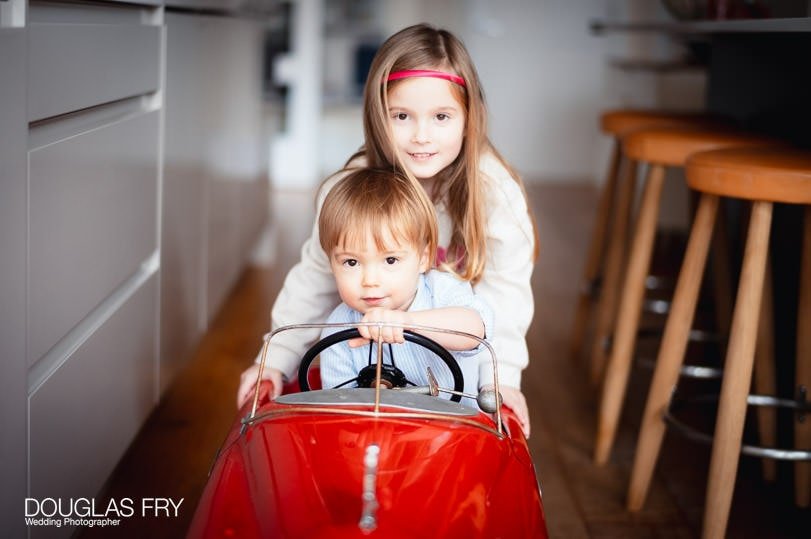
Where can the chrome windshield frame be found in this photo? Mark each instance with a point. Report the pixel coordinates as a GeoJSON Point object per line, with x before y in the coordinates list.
{"type": "Point", "coordinates": [345, 325]}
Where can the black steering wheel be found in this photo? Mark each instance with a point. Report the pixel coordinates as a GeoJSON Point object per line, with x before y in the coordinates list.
{"type": "Point", "coordinates": [410, 336]}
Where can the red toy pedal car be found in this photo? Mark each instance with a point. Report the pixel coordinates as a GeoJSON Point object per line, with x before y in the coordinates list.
{"type": "Point", "coordinates": [372, 462]}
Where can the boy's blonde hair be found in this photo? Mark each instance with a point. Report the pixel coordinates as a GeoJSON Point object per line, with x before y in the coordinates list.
{"type": "Point", "coordinates": [460, 185]}
{"type": "Point", "coordinates": [380, 203]}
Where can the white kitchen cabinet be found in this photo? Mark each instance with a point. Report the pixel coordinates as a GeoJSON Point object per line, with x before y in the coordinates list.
{"type": "Point", "coordinates": [133, 185]}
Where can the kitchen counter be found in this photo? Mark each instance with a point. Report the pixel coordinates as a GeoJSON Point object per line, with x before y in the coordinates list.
{"type": "Point", "coordinates": [792, 24]}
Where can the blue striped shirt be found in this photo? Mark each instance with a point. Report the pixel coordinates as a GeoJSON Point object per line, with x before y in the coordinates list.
{"type": "Point", "coordinates": [435, 289]}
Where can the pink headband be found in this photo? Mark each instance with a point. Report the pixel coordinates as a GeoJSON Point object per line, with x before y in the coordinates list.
{"type": "Point", "coordinates": [397, 75]}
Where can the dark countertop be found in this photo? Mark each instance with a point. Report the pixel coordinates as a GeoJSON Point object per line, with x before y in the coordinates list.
{"type": "Point", "coordinates": [793, 24]}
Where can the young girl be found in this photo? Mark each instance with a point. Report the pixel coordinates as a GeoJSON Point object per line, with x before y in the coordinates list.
{"type": "Point", "coordinates": [424, 115]}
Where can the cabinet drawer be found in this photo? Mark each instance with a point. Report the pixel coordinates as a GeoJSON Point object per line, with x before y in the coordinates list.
{"type": "Point", "coordinates": [75, 66]}
{"type": "Point", "coordinates": [92, 222]}
{"type": "Point", "coordinates": [83, 417]}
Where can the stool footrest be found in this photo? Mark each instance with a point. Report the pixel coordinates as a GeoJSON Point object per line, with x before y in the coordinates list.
{"type": "Point", "coordinates": [688, 371]}
{"type": "Point", "coordinates": [592, 288]}
{"type": "Point", "coordinates": [695, 335]}
{"type": "Point", "coordinates": [697, 435]}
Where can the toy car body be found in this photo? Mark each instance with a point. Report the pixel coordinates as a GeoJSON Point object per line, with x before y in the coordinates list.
{"type": "Point", "coordinates": [370, 462]}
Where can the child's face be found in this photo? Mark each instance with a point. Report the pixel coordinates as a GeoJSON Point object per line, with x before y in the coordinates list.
{"type": "Point", "coordinates": [428, 124]}
{"type": "Point", "coordinates": [369, 277]}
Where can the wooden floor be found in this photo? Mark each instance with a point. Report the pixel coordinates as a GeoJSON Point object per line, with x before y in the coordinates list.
{"type": "Point", "coordinates": [172, 454]}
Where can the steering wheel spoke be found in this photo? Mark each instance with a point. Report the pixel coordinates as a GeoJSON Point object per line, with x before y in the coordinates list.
{"type": "Point", "coordinates": [342, 384]}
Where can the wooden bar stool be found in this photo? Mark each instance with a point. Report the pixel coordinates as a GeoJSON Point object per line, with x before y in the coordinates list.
{"type": "Point", "coordinates": [763, 176]}
{"type": "Point", "coordinates": [608, 237]}
{"type": "Point", "coordinates": [659, 148]}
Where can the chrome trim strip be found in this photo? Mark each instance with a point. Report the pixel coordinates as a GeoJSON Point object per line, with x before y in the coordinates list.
{"type": "Point", "coordinates": [367, 413]}
{"type": "Point", "coordinates": [368, 516]}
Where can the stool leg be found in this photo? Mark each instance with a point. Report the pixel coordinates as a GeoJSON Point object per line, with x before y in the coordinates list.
{"type": "Point", "coordinates": [595, 257]}
{"type": "Point", "coordinates": [765, 375]}
{"type": "Point", "coordinates": [721, 276]}
{"type": "Point", "coordinates": [612, 278]}
{"type": "Point", "coordinates": [802, 430]}
{"type": "Point", "coordinates": [671, 351]}
{"type": "Point", "coordinates": [633, 291]}
{"type": "Point", "coordinates": [737, 374]}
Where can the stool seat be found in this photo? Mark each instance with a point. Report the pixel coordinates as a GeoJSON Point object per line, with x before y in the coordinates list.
{"type": "Point", "coordinates": [773, 174]}
{"type": "Point", "coordinates": [670, 146]}
{"type": "Point", "coordinates": [621, 121]}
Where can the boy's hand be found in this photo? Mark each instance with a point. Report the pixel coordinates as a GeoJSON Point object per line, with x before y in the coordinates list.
{"type": "Point", "coordinates": [387, 334]}
{"type": "Point", "coordinates": [247, 383]}
{"type": "Point", "coordinates": [515, 401]}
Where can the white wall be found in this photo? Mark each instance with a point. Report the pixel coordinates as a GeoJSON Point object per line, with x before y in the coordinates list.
{"type": "Point", "coordinates": [547, 78]}
{"type": "Point", "coordinates": [542, 73]}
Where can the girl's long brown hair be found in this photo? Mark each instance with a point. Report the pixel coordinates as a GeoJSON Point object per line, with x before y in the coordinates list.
{"type": "Point", "coordinates": [460, 185]}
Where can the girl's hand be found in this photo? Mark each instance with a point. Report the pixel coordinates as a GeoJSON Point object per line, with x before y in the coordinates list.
{"type": "Point", "coordinates": [515, 401]}
{"type": "Point", "coordinates": [247, 382]}
{"type": "Point", "coordinates": [387, 334]}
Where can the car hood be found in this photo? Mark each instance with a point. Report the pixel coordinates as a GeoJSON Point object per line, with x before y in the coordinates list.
{"type": "Point", "coordinates": [301, 475]}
